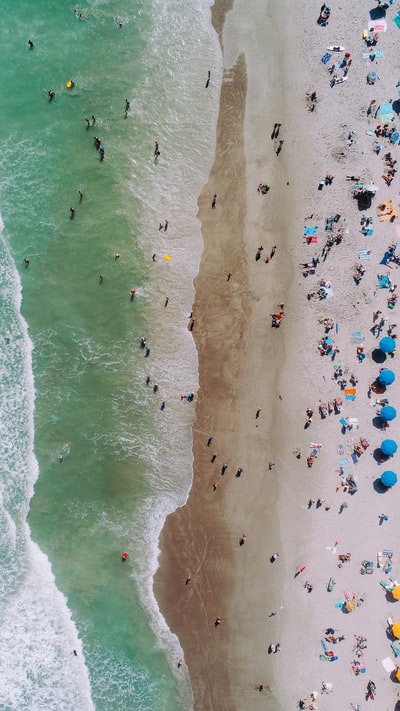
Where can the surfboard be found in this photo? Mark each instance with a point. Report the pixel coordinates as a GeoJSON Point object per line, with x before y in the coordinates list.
{"type": "Point", "coordinates": [339, 81]}
{"type": "Point", "coordinates": [335, 48]}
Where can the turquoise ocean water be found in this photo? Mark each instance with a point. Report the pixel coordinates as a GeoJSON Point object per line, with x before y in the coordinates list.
{"type": "Point", "coordinates": [73, 375]}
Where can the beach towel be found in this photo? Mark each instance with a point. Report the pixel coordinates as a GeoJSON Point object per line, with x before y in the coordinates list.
{"type": "Point", "coordinates": [339, 604]}
{"type": "Point", "coordinates": [383, 281]}
{"type": "Point", "coordinates": [386, 113]}
{"type": "Point", "coordinates": [326, 58]}
{"type": "Point", "coordinates": [364, 254]}
{"type": "Point", "coordinates": [377, 25]}
{"type": "Point", "coordinates": [386, 258]}
{"type": "Point", "coordinates": [395, 137]}
{"type": "Point", "coordinates": [350, 397]}
{"type": "Point", "coordinates": [367, 233]}
{"type": "Point", "coordinates": [396, 21]}
{"type": "Point", "coordinates": [311, 230]}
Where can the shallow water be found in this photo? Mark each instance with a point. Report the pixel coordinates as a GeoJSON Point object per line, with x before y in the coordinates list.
{"type": "Point", "coordinates": [81, 395]}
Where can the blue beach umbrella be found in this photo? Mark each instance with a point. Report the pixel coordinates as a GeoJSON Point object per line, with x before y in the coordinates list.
{"type": "Point", "coordinates": [386, 377]}
{"type": "Point", "coordinates": [387, 344]}
{"type": "Point", "coordinates": [388, 413]}
{"type": "Point", "coordinates": [389, 447]}
{"type": "Point", "coordinates": [389, 479]}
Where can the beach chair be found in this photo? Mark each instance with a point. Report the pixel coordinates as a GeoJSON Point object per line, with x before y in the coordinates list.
{"type": "Point", "coordinates": [387, 586]}
{"type": "Point", "coordinates": [396, 647]}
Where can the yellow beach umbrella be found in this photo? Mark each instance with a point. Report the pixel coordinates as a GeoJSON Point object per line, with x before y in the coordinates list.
{"type": "Point", "coordinates": [396, 630]}
{"type": "Point", "coordinates": [167, 257]}
{"type": "Point", "coordinates": [398, 674]}
{"type": "Point", "coordinates": [396, 592]}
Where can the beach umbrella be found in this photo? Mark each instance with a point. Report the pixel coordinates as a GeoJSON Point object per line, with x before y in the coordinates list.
{"type": "Point", "coordinates": [396, 592]}
{"type": "Point", "coordinates": [387, 344]}
{"type": "Point", "coordinates": [389, 447]}
{"type": "Point", "coordinates": [386, 377]}
{"type": "Point", "coordinates": [388, 413]}
{"type": "Point", "coordinates": [389, 479]}
{"type": "Point", "coordinates": [372, 76]}
{"type": "Point", "coordinates": [396, 630]}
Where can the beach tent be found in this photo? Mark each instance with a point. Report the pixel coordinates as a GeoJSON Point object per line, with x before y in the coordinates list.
{"type": "Point", "coordinates": [386, 377]}
{"type": "Point", "coordinates": [396, 630]}
{"type": "Point", "coordinates": [388, 413]}
{"type": "Point", "coordinates": [387, 344]}
{"type": "Point", "coordinates": [388, 479]}
{"type": "Point", "coordinates": [396, 592]}
{"type": "Point", "coordinates": [389, 447]}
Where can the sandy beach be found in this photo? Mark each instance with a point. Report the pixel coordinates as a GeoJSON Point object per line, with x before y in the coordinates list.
{"type": "Point", "coordinates": [256, 382]}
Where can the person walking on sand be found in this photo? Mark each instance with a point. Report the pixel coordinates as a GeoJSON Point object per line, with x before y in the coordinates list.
{"type": "Point", "coordinates": [188, 579]}
{"type": "Point", "coordinates": [273, 557]}
{"type": "Point", "coordinates": [214, 200]}
{"type": "Point", "coordinates": [223, 469]}
{"type": "Point", "coordinates": [213, 458]}
{"type": "Point", "coordinates": [228, 276]}
{"type": "Point", "coordinates": [166, 302]}
{"type": "Point", "coordinates": [210, 439]}
{"type": "Point", "coordinates": [258, 413]}
{"type": "Point", "coordinates": [166, 225]}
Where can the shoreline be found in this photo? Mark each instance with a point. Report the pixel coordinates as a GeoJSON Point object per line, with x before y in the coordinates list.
{"type": "Point", "coordinates": [199, 540]}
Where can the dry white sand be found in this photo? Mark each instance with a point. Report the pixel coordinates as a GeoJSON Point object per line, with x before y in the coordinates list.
{"type": "Point", "coordinates": [246, 365]}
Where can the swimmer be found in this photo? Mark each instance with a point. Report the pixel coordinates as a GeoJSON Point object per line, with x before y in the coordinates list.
{"type": "Point", "coordinates": [51, 94]}
{"type": "Point", "coordinates": [124, 556]}
{"type": "Point", "coordinates": [132, 293]}
{"type": "Point", "coordinates": [102, 151]}
{"type": "Point", "coordinates": [154, 257]}
{"type": "Point", "coordinates": [26, 262]}
{"type": "Point", "coordinates": [71, 213]}
{"type": "Point", "coordinates": [116, 256]}
{"type": "Point", "coordinates": [93, 120]}
{"type": "Point", "coordinates": [148, 379]}
{"type": "Point", "coordinates": [30, 44]}
{"type": "Point", "coordinates": [80, 195]}
{"type": "Point", "coordinates": [147, 352]}
{"type": "Point", "coordinates": [101, 277]}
